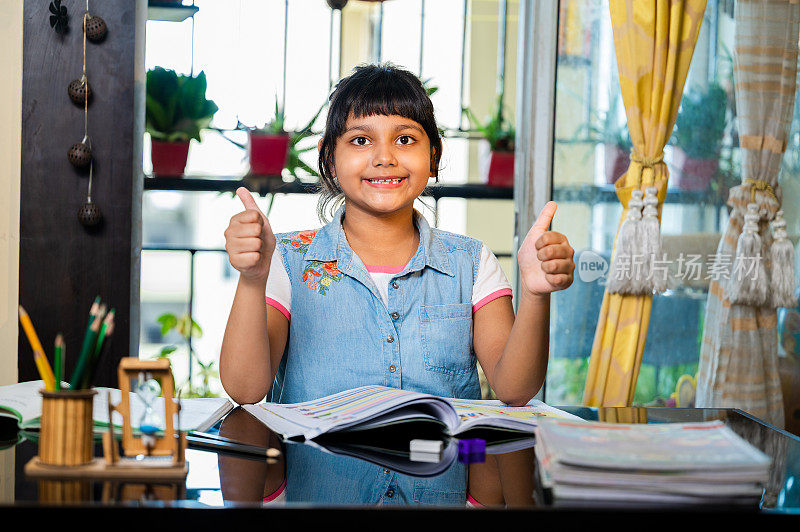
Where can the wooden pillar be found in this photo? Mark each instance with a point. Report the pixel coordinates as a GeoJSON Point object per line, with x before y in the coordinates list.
{"type": "Point", "coordinates": [63, 266]}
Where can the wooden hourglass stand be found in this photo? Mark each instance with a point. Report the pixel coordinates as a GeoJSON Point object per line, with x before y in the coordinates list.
{"type": "Point", "coordinates": [148, 455]}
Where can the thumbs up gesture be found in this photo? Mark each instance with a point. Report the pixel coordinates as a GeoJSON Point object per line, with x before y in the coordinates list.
{"type": "Point", "coordinates": [249, 239]}
{"type": "Point", "coordinates": [545, 257]}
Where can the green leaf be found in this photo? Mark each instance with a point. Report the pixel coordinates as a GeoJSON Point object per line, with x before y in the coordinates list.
{"type": "Point", "coordinates": [166, 351]}
{"type": "Point", "coordinates": [168, 322]}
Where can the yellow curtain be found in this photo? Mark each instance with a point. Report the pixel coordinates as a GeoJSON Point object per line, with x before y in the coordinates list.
{"type": "Point", "coordinates": [654, 41]}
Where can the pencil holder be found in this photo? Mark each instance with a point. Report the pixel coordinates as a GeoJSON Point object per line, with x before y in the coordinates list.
{"type": "Point", "coordinates": [65, 437]}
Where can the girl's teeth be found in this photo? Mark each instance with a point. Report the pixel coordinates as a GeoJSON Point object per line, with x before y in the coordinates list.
{"type": "Point", "coordinates": [384, 180]}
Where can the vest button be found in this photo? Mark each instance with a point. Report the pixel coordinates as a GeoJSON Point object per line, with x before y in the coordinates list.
{"type": "Point", "coordinates": [390, 493]}
{"type": "Point", "coordinates": [395, 315]}
{"type": "Point", "coordinates": [395, 285]}
{"type": "Point", "coordinates": [390, 339]}
{"type": "Point", "coordinates": [392, 368]}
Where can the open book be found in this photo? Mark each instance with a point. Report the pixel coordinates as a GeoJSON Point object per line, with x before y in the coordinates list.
{"type": "Point", "coordinates": [372, 407]}
{"type": "Point", "coordinates": [23, 402]}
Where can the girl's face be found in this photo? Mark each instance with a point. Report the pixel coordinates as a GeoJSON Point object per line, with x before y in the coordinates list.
{"type": "Point", "coordinates": [382, 163]}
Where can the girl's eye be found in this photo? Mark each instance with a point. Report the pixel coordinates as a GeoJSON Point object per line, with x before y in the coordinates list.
{"type": "Point", "coordinates": [360, 141]}
{"type": "Point", "coordinates": [405, 139]}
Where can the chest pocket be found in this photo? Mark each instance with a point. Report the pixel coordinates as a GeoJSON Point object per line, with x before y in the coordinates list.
{"type": "Point", "coordinates": [446, 332]}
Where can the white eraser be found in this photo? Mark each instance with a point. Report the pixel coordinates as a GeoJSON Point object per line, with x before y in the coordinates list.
{"type": "Point", "coordinates": [426, 446]}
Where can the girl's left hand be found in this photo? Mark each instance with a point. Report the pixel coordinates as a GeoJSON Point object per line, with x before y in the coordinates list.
{"type": "Point", "coordinates": [545, 257]}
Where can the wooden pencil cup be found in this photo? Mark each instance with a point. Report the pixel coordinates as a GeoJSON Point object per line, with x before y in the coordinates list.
{"type": "Point", "coordinates": [65, 437]}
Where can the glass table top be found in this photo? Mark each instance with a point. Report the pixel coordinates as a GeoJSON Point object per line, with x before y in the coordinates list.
{"type": "Point", "coordinates": [230, 469]}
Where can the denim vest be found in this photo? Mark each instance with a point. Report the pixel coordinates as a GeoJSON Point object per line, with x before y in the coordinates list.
{"type": "Point", "coordinates": [342, 336]}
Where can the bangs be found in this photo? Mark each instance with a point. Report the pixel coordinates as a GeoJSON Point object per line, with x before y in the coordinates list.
{"type": "Point", "coordinates": [388, 97]}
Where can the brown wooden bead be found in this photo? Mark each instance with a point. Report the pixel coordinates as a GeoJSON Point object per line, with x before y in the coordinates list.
{"type": "Point", "coordinates": [80, 155]}
{"type": "Point", "coordinates": [95, 28]}
{"type": "Point", "coordinates": [89, 214]}
{"type": "Point", "coordinates": [79, 91]}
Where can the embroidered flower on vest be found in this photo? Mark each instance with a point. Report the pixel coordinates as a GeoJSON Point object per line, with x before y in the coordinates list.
{"type": "Point", "coordinates": [317, 275]}
{"type": "Point", "coordinates": [300, 241]}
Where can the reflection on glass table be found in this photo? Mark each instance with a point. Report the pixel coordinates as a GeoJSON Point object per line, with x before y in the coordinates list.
{"type": "Point", "coordinates": [342, 473]}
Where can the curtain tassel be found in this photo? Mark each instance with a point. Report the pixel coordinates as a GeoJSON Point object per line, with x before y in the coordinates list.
{"type": "Point", "coordinates": [622, 276]}
{"type": "Point", "coordinates": [747, 282]}
{"type": "Point", "coordinates": [781, 254]}
{"type": "Point", "coordinates": [652, 278]}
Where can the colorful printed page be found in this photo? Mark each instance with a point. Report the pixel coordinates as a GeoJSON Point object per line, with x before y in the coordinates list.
{"type": "Point", "coordinates": [365, 407]}
{"type": "Point", "coordinates": [660, 447]}
{"type": "Point", "coordinates": [494, 414]}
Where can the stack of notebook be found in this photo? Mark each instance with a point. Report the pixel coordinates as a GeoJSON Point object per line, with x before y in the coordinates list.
{"type": "Point", "coordinates": [590, 463]}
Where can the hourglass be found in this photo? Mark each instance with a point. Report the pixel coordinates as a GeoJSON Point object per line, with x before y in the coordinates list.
{"type": "Point", "coordinates": [148, 391]}
{"type": "Point", "coordinates": [156, 439]}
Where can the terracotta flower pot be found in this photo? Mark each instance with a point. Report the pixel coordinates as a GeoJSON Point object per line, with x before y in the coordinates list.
{"type": "Point", "coordinates": [169, 158]}
{"type": "Point", "coordinates": [268, 153]}
{"type": "Point", "coordinates": [689, 173]}
{"type": "Point", "coordinates": [617, 161]}
{"type": "Point", "coordinates": [501, 169]}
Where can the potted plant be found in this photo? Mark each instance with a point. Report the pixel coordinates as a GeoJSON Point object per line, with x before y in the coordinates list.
{"type": "Point", "coordinates": [268, 146]}
{"type": "Point", "coordinates": [271, 148]}
{"type": "Point", "coordinates": [176, 111]}
{"type": "Point", "coordinates": [500, 135]}
{"type": "Point", "coordinates": [698, 137]}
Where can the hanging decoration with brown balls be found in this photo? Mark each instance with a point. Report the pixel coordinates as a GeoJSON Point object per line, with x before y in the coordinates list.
{"type": "Point", "coordinates": [80, 154]}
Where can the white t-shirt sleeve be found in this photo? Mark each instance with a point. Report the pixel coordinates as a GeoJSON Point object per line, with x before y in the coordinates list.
{"type": "Point", "coordinates": [279, 288]}
{"type": "Point", "coordinates": [491, 282]}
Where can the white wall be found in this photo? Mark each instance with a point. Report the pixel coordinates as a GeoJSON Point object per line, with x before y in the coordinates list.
{"type": "Point", "coordinates": [10, 147]}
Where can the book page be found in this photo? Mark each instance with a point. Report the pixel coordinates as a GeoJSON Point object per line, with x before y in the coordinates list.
{"type": "Point", "coordinates": [347, 409]}
{"type": "Point", "coordinates": [496, 414]}
{"type": "Point", "coordinates": [22, 400]}
{"type": "Point", "coordinates": [195, 414]}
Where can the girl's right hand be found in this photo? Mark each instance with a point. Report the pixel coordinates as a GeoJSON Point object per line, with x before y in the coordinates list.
{"type": "Point", "coordinates": [249, 239]}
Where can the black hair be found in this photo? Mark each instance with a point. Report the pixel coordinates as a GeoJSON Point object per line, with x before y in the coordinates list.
{"type": "Point", "coordinates": [374, 89]}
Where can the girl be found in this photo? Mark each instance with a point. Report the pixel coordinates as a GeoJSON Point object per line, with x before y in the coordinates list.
{"type": "Point", "coordinates": [376, 296]}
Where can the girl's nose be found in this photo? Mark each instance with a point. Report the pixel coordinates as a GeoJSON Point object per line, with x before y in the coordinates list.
{"type": "Point", "coordinates": [384, 155]}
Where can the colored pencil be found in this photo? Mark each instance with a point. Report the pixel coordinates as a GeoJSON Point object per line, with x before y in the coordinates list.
{"type": "Point", "coordinates": [86, 350]}
{"type": "Point", "coordinates": [58, 360]}
{"type": "Point", "coordinates": [38, 353]}
{"type": "Point", "coordinates": [101, 347]}
{"type": "Point", "coordinates": [93, 311]}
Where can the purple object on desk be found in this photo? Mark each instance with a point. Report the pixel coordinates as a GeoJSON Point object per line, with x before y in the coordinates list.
{"type": "Point", "coordinates": [472, 451]}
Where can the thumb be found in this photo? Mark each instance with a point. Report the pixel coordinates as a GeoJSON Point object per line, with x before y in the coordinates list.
{"type": "Point", "coordinates": [250, 203]}
{"type": "Point", "coordinates": [545, 217]}
{"type": "Point", "coordinates": [247, 199]}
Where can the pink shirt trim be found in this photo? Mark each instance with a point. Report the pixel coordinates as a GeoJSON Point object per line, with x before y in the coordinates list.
{"type": "Point", "coordinates": [473, 502]}
{"type": "Point", "coordinates": [384, 269]}
{"type": "Point", "coordinates": [491, 297]}
{"type": "Point", "coordinates": [272, 303]}
{"type": "Point", "coordinates": [277, 492]}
